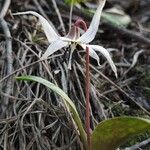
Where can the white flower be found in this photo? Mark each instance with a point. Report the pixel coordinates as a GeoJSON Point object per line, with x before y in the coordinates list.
{"type": "Point", "coordinates": [73, 38]}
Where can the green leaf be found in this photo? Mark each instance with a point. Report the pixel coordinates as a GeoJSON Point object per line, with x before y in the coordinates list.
{"type": "Point", "coordinates": [67, 101]}
{"type": "Point", "coordinates": [110, 134]}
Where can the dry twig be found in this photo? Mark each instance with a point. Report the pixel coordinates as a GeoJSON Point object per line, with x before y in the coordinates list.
{"type": "Point", "coordinates": [9, 59]}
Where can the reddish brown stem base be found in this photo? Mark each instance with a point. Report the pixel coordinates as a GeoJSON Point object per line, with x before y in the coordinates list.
{"type": "Point", "coordinates": [79, 23]}
{"type": "Point", "coordinates": [88, 100]}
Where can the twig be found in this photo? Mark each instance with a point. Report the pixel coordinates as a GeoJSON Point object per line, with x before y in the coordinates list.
{"type": "Point", "coordinates": [70, 15]}
{"type": "Point", "coordinates": [5, 8]}
{"type": "Point", "coordinates": [59, 16]}
{"type": "Point", "coordinates": [9, 59]}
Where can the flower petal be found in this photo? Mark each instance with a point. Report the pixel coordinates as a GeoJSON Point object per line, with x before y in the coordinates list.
{"type": "Point", "coordinates": [103, 51]}
{"type": "Point", "coordinates": [89, 35]}
{"type": "Point", "coordinates": [53, 47]}
{"type": "Point", "coordinates": [92, 53]}
{"type": "Point", "coordinates": [48, 29]}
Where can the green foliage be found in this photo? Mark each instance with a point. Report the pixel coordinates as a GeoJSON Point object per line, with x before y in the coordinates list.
{"type": "Point", "coordinates": [110, 134]}
{"type": "Point", "coordinates": [74, 1]}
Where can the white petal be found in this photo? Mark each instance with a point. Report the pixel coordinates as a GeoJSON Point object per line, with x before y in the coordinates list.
{"type": "Point", "coordinates": [104, 52]}
{"type": "Point", "coordinates": [53, 47]}
{"type": "Point", "coordinates": [48, 29]}
{"type": "Point", "coordinates": [89, 35]}
{"type": "Point", "coordinates": [92, 53]}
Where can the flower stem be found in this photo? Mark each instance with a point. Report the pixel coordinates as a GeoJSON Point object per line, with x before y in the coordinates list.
{"type": "Point", "coordinates": [88, 99]}
{"type": "Point", "coordinates": [87, 90]}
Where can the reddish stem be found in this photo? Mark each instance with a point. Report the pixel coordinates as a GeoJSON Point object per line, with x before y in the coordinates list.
{"type": "Point", "coordinates": [87, 119]}
{"type": "Point", "coordinates": [88, 99]}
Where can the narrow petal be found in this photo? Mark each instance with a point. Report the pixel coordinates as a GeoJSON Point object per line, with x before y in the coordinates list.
{"type": "Point", "coordinates": [53, 47]}
{"type": "Point", "coordinates": [105, 53]}
{"type": "Point", "coordinates": [89, 35]}
{"type": "Point", "coordinates": [92, 53]}
{"type": "Point", "coordinates": [48, 29]}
